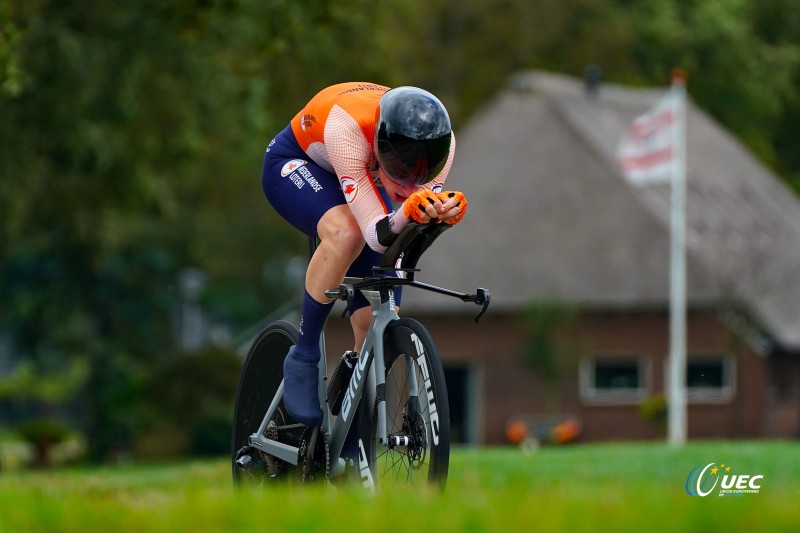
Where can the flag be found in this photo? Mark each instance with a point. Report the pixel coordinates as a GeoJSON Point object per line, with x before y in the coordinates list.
{"type": "Point", "coordinates": [647, 151]}
{"type": "Point", "coordinates": [653, 150]}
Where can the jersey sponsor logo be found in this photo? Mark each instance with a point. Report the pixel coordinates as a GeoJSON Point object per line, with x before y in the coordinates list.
{"type": "Point", "coordinates": [349, 188]}
{"type": "Point", "coordinates": [366, 87]}
{"type": "Point", "coordinates": [309, 177]}
{"type": "Point", "coordinates": [291, 166]}
{"type": "Point", "coordinates": [307, 120]}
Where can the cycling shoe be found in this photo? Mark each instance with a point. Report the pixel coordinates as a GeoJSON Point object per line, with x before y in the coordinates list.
{"type": "Point", "coordinates": [300, 395]}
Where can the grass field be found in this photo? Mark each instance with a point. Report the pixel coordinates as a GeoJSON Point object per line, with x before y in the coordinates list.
{"type": "Point", "coordinates": [613, 487]}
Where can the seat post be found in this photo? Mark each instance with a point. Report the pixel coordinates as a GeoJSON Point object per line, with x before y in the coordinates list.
{"type": "Point", "coordinates": [312, 245]}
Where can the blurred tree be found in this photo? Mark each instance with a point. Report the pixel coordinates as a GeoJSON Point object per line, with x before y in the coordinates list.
{"type": "Point", "coordinates": [120, 154]}
{"type": "Point", "coordinates": [740, 77]}
{"type": "Point", "coordinates": [9, 54]}
{"type": "Point", "coordinates": [777, 23]}
{"type": "Point", "coordinates": [194, 395]}
{"type": "Point", "coordinates": [742, 56]}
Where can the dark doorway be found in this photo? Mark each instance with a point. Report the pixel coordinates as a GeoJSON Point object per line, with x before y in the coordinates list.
{"type": "Point", "coordinates": [461, 396]}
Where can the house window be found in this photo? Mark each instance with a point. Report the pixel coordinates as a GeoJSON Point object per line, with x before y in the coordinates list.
{"type": "Point", "coordinates": [615, 376]}
{"type": "Point", "coordinates": [614, 379]}
{"type": "Point", "coordinates": [710, 378]}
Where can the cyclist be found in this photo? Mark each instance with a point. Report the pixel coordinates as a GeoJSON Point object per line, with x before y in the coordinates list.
{"type": "Point", "coordinates": [334, 173]}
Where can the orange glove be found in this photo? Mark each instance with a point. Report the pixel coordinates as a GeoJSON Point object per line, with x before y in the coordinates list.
{"type": "Point", "coordinates": [414, 206]}
{"type": "Point", "coordinates": [461, 203]}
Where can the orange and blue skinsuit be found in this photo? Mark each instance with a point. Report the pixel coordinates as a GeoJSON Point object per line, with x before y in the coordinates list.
{"type": "Point", "coordinates": [325, 158]}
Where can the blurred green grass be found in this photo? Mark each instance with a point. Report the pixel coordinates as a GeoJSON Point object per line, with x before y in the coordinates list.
{"type": "Point", "coordinates": [608, 487]}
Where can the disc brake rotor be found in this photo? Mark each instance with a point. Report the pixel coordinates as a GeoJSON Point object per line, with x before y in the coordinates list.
{"type": "Point", "coordinates": [412, 440]}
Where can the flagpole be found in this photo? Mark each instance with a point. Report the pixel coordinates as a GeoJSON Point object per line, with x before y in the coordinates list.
{"type": "Point", "coordinates": [677, 318]}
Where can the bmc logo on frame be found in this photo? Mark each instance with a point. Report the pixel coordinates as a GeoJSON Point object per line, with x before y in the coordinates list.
{"type": "Point", "coordinates": [703, 480]}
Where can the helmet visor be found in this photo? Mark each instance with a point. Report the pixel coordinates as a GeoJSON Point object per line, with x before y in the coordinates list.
{"type": "Point", "coordinates": [410, 161]}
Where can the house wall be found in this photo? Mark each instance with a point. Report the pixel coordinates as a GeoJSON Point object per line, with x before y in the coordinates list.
{"type": "Point", "coordinates": [783, 396]}
{"type": "Point", "coordinates": [648, 335]}
{"type": "Point", "coordinates": [509, 388]}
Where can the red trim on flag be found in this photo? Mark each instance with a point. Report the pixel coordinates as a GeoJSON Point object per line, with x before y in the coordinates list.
{"type": "Point", "coordinates": [647, 160]}
{"type": "Point", "coordinates": [647, 125]}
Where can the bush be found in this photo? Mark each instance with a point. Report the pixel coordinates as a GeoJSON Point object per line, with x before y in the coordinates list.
{"type": "Point", "coordinates": [654, 409]}
{"type": "Point", "coordinates": [43, 434]}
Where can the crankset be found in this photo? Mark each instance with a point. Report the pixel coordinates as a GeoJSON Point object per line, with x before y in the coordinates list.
{"type": "Point", "coordinates": [314, 456]}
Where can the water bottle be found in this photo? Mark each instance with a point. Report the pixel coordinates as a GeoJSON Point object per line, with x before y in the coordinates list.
{"type": "Point", "coordinates": [340, 379]}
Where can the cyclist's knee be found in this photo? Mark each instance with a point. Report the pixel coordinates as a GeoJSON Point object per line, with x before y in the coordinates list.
{"type": "Point", "coordinates": [339, 228]}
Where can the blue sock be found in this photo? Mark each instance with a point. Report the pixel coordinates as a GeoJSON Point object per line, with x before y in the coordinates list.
{"type": "Point", "coordinates": [312, 320]}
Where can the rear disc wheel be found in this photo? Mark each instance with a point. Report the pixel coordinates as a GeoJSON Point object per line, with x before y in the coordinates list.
{"type": "Point", "coordinates": [261, 376]}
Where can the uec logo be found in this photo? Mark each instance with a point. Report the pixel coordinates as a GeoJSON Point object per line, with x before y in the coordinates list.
{"type": "Point", "coordinates": [702, 481]}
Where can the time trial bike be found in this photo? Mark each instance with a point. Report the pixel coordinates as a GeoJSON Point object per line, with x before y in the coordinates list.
{"type": "Point", "coordinates": [392, 394]}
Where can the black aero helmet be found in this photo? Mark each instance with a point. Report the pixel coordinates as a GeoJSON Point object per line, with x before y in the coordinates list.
{"type": "Point", "coordinates": [412, 135]}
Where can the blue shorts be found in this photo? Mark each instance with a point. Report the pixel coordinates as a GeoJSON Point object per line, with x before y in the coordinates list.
{"type": "Point", "coordinates": [301, 192]}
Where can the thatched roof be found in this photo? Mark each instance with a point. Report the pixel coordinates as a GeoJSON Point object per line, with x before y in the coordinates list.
{"type": "Point", "coordinates": [551, 216]}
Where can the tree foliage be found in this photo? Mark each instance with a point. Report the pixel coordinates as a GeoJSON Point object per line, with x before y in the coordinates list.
{"type": "Point", "coordinates": [120, 157]}
{"type": "Point", "coordinates": [549, 348]}
{"type": "Point", "coordinates": [132, 138]}
{"type": "Point", "coordinates": [742, 56]}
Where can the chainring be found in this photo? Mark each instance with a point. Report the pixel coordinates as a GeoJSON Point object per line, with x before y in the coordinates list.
{"type": "Point", "coordinates": [314, 457]}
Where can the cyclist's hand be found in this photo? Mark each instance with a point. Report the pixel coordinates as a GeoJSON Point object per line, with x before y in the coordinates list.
{"type": "Point", "coordinates": [422, 206]}
{"type": "Point", "coordinates": [454, 205]}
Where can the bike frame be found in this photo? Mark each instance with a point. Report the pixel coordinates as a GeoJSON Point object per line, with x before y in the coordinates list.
{"type": "Point", "coordinates": [370, 370]}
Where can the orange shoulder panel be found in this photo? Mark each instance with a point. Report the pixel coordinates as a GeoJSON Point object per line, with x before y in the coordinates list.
{"type": "Point", "coordinates": [359, 99]}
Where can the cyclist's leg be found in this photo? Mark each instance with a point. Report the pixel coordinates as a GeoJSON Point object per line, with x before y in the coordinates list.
{"type": "Point", "coordinates": [337, 248]}
{"type": "Point", "coordinates": [360, 312]}
{"type": "Point", "coordinates": [309, 198]}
